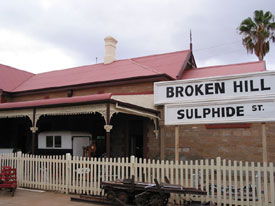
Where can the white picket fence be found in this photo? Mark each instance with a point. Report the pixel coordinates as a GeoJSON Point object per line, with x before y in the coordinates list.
{"type": "Point", "coordinates": [226, 182]}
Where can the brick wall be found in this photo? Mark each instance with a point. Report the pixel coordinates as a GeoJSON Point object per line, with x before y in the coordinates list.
{"type": "Point", "coordinates": [152, 143]}
{"type": "Point", "coordinates": [198, 142]}
{"type": "Point", "coordinates": [118, 89]}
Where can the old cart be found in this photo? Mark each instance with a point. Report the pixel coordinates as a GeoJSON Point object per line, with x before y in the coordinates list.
{"type": "Point", "coordinates": [128, 192]}
{"type": "Point", "coordinates": [8, 178]}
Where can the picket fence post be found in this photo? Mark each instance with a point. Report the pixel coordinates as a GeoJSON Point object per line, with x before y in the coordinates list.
{"type": "Point", "coordinates": [68, 172]}
{"type": "Point", "coordinates": [218, 163]}
{"type": "Point", "coordinates": [19, 170]}
{"type": "Point", "coordinates": [133, 166]}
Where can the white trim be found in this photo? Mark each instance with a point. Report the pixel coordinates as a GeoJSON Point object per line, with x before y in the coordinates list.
{"type": "Point", "coordinates": [159, 99]}
{"type": "Point", "coordinates": [267, 115]}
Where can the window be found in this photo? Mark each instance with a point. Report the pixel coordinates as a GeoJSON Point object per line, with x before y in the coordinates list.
{"type": "Point", "coordinates": [49, 141]}
{"type": "Point", "coordinates": [53, 142]}
{"type": "Point", "coordinates": [57, 141]}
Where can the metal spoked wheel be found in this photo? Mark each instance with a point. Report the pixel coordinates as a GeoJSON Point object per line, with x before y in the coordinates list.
{"type": "Point", "coordinates": [123, 197]}
{"type": "Point", "coordinates": [155, 200]}
{"type": "Point", "coordinates": [111, 195]}
{"type": "Point", "coordinates": [141, 201]}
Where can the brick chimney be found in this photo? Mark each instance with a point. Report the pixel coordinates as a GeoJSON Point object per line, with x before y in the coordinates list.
{"type": "Point", "coordinates": [110, 50]}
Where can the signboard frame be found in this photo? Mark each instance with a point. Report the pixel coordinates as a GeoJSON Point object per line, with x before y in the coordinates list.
{"type": "Point", "coordinates": [258, 105]}
{"type": "Point", "coordinates": [160, 91]}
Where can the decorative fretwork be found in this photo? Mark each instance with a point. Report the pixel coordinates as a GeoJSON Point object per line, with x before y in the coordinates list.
{"type": "Point", "coordinates": [72, 110]}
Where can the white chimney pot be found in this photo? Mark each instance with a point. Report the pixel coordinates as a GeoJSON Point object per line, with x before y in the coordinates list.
{"type": "Point", "coordinates": [110, 50]}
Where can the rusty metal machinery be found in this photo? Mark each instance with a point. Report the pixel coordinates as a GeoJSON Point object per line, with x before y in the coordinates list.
{"type": "Point", "coordinates": [128, 192]}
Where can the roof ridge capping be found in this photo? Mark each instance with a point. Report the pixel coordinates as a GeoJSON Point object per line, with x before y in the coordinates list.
{"type": "Point", "coordinates": [144, 66]}
{"type": "Point", "coordinates": [10, 67]}
{"type": "Point", "coordinates": [153, 55]}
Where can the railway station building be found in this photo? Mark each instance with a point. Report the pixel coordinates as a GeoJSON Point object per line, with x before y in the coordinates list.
{"type": "Point", "coordinates": [107, 109]}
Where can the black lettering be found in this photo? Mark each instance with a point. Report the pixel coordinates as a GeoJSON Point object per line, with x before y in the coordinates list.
{"type": "Point", "coordinates": [230, 111]}
{"type": "Point", "coordinates": [170, 92]}
{"type": "Point", "coordinates": [215, 111]}
{"type": "Point", "coordinates": [240, 111]}
{"type": "Point", "coordinates": [219, 88]}
{"type": "Point", "coordinates": [206, 111]}
{"type": "Point", "coordinates": [189, 90]}
{"type": "Point", "coordinates": [223, 112]}
{"type": "Point", "coordinates": [252, 87]}
{"type": "Point", "coordinates": [189, 113]}
{"type": "Point", "coordinates": [254, 108]}
{"type": "Point", "coordinates": [198, 90]}
{"type": "Point", "coordinates": [209, 88]}
{"type": "Point", "coordinates": [236, 86]}
{"type": "Point", "coordinates": [197, 116]}
{"type": "Point", "coordinates": [180, 114]}
{"type": "Point", "coordinates": [263, 86]}
{"type": "Point", "coordinates": [179, 91]}
{"type": "Point", "coordinates": [246, 86]}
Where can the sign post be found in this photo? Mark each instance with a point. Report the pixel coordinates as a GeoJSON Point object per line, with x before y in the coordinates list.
{"type": "Point", "coordinates": [177, 143]}
{"type": "Point", "coordinates": [264, 142]}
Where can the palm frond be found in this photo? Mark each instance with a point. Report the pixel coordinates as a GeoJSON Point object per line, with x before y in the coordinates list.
{"type": "Point", "coordinates": [257, 32]}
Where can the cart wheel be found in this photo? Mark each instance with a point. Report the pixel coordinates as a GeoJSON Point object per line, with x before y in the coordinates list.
{"type": "Point", "coordinates": [111, 195]}
{"type": "Point", "coordinates": [166, 199]}
{"type": "Point", "coordinates": [155, 200]}
{"type": "Point", "coordinates": [13, 191]}
{"type": "Point", "coordinates": [141, 201]}
{"type": "Point", "coordinates": [123, 197]}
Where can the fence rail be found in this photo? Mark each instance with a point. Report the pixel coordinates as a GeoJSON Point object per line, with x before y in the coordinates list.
{"type": "Point", "coordinates": [226, 182]}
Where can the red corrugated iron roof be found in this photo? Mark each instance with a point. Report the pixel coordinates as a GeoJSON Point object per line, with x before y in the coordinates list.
{"type": "Point", "coordinates": [169, 64]}
{"type": "Point", "coordinates": [56, 101]}
{"type": "Point", "coordinates": [14, 80]}
{"type": "Point", "coordinates": [224, 70]}
{"type": "Point", "coordinates": [10, 78]}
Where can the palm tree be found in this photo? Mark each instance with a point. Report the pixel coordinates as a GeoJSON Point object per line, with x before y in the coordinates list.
{"type": "Point", "coordinates": [257, 33]}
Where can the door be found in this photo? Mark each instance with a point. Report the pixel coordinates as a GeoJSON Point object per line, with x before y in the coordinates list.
{"type": "Point", "coordinates": [78, 144]}
{"type": "Point", "coordinates": [136, 138]}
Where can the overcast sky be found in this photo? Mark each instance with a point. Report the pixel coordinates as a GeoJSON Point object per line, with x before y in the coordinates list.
{"type": "Point", "coordinates": [45, 35]}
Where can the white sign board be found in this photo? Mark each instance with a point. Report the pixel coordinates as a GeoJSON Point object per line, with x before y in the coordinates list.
{"type": "Point", "coordinates": [221, 112]}
{"type": "Point", "coordinates": [215, 88]}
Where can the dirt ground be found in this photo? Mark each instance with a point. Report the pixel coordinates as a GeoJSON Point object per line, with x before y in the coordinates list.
{"type": "Point", "coordinates": [24, 197]}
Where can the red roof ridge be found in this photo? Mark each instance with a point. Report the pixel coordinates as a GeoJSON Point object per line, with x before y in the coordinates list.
{"type": "Point", "coordinates": [228, 65]}
{"type": "Point", "coordinates": [144, 67]}
{"type": "Point", "coordinates": [13, 68]}
{"type": "Point", "coordinates": [23, 82]}
{"type": "Point", "coordinates": [161, 54]}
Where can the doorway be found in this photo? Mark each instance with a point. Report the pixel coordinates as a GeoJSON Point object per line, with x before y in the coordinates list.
{"type": "Point", "coordinates": [136, 138]}
{"type": "Point", "coordinates": [78, 144]}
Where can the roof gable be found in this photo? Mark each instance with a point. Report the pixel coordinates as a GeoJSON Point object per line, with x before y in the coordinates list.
{"type": "Point", "coordinates": [10, 78]}
{"type": "Point", "coordinates": [167, 64]}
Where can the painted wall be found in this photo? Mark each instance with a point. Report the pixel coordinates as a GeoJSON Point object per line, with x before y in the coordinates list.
{"type": "Point", "coordinates": [66, 138]}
